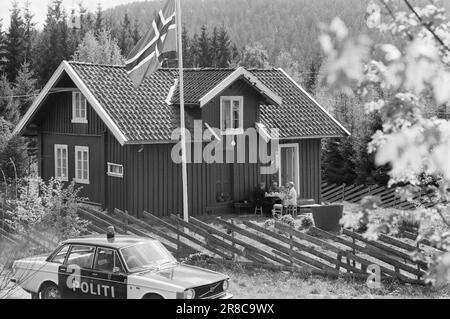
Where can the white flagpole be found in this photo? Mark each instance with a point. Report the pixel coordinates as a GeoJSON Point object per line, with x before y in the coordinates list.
{"type": "Point", "coordinates": [182, 119]}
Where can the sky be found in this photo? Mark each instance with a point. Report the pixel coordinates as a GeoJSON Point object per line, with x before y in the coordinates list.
{"type": "Point", "coordinates": [39, 7]}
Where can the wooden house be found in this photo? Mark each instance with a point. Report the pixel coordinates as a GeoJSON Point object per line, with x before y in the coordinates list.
{"type": "Point", "coordinates": [114, 140]}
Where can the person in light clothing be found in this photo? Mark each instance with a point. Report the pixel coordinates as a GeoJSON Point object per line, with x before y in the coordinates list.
{"type": "Point", "coordinates": [291, 195]}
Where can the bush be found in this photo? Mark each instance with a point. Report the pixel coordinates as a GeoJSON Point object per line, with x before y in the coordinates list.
{"type": "Point", "coordinates": [54, 210]}
{"type": "Point", "coordinates": [306, 222]}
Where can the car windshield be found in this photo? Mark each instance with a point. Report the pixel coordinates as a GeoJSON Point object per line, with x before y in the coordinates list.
{"type": "Point", "coordinates": [147, 255]}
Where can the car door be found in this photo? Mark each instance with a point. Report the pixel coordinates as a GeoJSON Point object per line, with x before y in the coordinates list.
{"type": "Point", "coordinates": [108, 275]}
{"type": "Point", "coordinates": [74, 275]}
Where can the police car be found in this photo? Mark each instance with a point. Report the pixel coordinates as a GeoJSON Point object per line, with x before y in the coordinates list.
{"type": "Point", "coordinates": [124, 267]}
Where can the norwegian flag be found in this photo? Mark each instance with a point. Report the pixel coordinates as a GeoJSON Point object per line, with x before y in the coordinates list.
{"type": "Point", "coordinates": [155, 46]}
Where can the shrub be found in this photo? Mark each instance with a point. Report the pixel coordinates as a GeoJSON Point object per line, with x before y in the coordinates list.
{"type": "Point", "coordinates": [306, 222]}
{"type": "Point", "coordinates": [54, 210]}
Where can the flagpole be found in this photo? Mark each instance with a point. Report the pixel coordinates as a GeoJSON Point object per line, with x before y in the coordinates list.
{"type": "Point", "coordinates": [182, 117]}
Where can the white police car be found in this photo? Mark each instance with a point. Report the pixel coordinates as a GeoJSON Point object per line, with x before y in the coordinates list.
{"type": "Point", "coordinates": [124, 267]}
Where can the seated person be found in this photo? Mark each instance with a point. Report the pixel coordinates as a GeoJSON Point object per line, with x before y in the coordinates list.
{"type": "Point", "coordinates": [291, 195]}
{"type": "Point", "coordinates": [274, 187]}
{"type": "Point", "coordinates": [261, 200]}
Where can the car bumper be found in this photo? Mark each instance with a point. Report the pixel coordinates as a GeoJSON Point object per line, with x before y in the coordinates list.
{"type": "Point", "coordinates": [222, 295]}
{"type": "Point", "coordinates": [227, 296]}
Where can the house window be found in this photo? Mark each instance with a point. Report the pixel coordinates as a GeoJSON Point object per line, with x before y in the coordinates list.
{"type": "Point", "coordinates": [61, 162]}
{"type": "Point", "coordinates": [82, 164]}
{"type": "Point", "coordinates": [231, 114]}
{"type": "Point", "coordinates": [115, 170]}
{"type": "Point", "coordinates": [78, 108]}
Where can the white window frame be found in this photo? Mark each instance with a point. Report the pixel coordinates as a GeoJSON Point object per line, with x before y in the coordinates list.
{"type": "Point", "coordinates": [65, 164]}
{"type": "Point", "coordinates": [78, 118]}
{"type": "Point", "coordinates": [113, 174]}
{"type": "Point", "coordinates": [77, 150]}
{"type": "Point", "coordinates": [240, 129]}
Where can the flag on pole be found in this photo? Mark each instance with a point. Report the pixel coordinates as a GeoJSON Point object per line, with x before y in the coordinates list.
{"type": "Point", "coordinates": [155, 46]}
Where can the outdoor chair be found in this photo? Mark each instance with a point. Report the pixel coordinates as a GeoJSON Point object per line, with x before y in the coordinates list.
{"type": "Point", "coordinates": [277, 210]}
{"type": "Point", "coordinates": [291, 210]}
{"type": "Point", "coordinates": [258, 210]}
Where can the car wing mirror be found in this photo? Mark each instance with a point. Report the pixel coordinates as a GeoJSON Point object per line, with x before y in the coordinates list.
{"type": "Point", "coordinates": [116, 270]}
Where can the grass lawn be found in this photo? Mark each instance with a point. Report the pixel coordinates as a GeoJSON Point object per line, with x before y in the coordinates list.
{"type": "Point", "coordinates": [260, 283]}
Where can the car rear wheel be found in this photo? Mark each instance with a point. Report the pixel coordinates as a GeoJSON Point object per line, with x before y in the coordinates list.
{"type": "Point", "coordinates": [50, 291]}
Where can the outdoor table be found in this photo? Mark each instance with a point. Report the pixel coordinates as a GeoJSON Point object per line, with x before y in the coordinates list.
{"type": "Point", "coordinates": [242, 206]}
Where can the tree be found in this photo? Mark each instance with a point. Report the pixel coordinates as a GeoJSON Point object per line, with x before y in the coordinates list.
{"type": "Point", "coordinates": [29, 31]}
{"type": "Point", "coordinates": [255, 56]}
{"type": "Point", "coordinates": [214, 48]}
{"type": "Point", "coordinates": [99, 23]}
{"type": "Point", "coordinates": [224, 55]}
{"type": "Point", "coordinates": [193, 52]}
{"type": "Point", "coordinates": [8, 107]}
{"type": "Point", "coordinates": [285, 61]}
{"type": "Point", "coordinates": [126, 41]}
{"type": "Point", "coordinates": [3, 60]}
{"type": "Point", "coordinates": [136, 32]}
{"type": "Point", "coordinates": [14, 42]}
{"type": "Point", "coordinates": [405, 75]}
{"type": "Point", "coordinates": [187, 59]}
{"type": "Point", "coordinates": [53, 44]}
{"type": "Point", "coordinates": [103, 50]}
{"type": "Point", "coordinates": [204, 50]}
{"type": "Point", "coordinates": [25, 88]}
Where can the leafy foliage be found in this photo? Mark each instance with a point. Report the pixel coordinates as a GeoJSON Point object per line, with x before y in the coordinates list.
{"type": "Point", "coordinates": [53, 210]}
{"type": "Point", "coordinates": [398, 81]}
{"type": "Point", "coordinates": [101, 49]}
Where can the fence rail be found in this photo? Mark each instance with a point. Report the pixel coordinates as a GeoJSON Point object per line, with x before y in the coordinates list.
{"type": "Point", "coordinates": [278, 246]}
{"type": "Point", "coordinates": [388, 196]}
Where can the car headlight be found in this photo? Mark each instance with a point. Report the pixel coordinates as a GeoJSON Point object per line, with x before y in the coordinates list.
{"type": "Point", "coordinates": [226, 284]}
{"type": "Point", "coordinates": [189, 294]}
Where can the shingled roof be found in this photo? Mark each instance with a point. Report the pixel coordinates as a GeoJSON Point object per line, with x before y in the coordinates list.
{"type": "Point", "coordinates": [144, 115]}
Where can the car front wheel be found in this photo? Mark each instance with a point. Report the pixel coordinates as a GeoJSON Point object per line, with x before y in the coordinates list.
{"type": "Point", "coordinates": [50, 291]}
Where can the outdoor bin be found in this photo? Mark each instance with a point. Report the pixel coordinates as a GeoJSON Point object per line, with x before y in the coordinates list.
{"type": "Point", "coordinates": [327, 217]}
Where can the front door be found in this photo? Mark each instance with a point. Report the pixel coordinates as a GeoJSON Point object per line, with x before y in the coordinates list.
{"type": "Point", "coordinates": [289, 165]}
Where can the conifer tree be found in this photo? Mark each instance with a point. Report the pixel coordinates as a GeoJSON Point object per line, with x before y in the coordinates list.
{"type": "Point", "coordinates": [126, 35]}
{"type": "Point", "coordinates": [29, 31]}
{"type": "Point", "coordinates": [53, 44]}
{"type": "Point", "coordinates": [25, 88]}
{"type": "Point", "coordinates": [224, 58]}
{"type": "Point", "coordinates": [14, 42]}
{"type": "Point", "coordinates": [99, 23]}
{"type": "Point", "coordinates": [214, 52]}
{"type": "Point", "coordinates": [204, 51]}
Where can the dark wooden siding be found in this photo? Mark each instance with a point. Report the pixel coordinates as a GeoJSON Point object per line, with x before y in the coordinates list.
{"type": "Point", "coordinates": [95, 190]}
{"type": "Point", "coordinates": [115, 196]}
{"type": "Point", "coordinates": [56, 117]}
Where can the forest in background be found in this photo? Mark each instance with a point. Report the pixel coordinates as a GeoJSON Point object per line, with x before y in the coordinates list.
{"type": "Point", "coordinates": [216, 33]}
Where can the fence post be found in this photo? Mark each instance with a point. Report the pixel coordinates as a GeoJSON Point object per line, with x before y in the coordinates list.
{"type": "Point", "coordinates": [178, 237]}
{"type": "Point", "coordinates": [125, 222]}
{"type": "Point", "coordinates": [291, 248]}
{"type": "Point", "coordinates": [233, 243]}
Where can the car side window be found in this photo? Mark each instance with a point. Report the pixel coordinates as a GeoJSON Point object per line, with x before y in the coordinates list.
{"type": "Point", "coordinates": [60, 256]}
{"type": "Point", "coordinates": [107, 260]}
{"type": "Point", "coordinates": [81, 255]}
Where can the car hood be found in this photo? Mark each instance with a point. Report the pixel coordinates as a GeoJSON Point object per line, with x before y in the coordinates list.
{"type": "Point", "coordinates": [184, 275]}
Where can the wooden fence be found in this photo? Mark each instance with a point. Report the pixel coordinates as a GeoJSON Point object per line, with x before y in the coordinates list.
{"type": "Point", "coordinates": [276, 247]}
{"type": "Point", "coordinates": [388, 196]}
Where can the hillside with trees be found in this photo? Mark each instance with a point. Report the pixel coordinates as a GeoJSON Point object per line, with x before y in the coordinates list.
{"type": "Point", "coordinates": [216, 33]}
